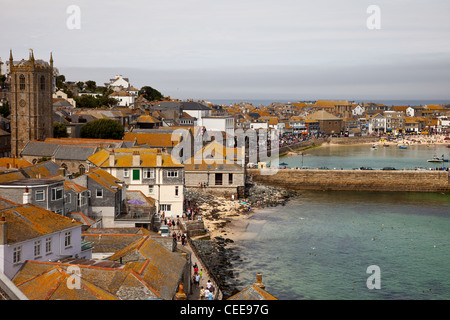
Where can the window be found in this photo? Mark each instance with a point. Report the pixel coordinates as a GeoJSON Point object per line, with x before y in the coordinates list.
{"type": "Point", "coordinates": [148, 173]}
{"type": "Point", "coordinates": [126, 173]}
{"type": "Point", "coordinates": [81, 199]}
{"type": "Point", "coordinates": [68, 239]}
{"type": "Point", "coordinates": [48, 245]}
{"type": "Point", "coordinates": [22, 82]}
{"type": "Point", "coordinates": [99, 193]}
{"type": "Point", "coordinates": [42, 83]}
{"type": "Point", "coordinates": [39, 195]}
{"type": "Point", "coordinates": [57, 194]}
{"type": "Point", "coordinates": [172, 174]}
{"type": "Point", "coordinates": [37, 249]}
{"type": "Point", "coordinates": [150, 189]}
{"type": "Point", "coordinates": [59, 211]}
{"type": "Point", "coordinates": [69, 198]}
{"type": "Point", "coordinates": [230, 178]}
{"type": "Point", "coordinates": [136, 174]}
{"type": "Point", "coordinates": [17, 255]}
{"type": "Point", "coordinates": [81, 169]}
{"type": "Point", "coordinates": [176, 191]}
{"type": "Point", "coordinates": [165, 207]}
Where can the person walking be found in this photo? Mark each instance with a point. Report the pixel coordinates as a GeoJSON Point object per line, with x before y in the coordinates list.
{"type": "Point", "coordinates": [206, 291]}
{"type": "Point", "coordinates": [197, 279]}
{"type": "Point", "coordinates": [202, 293]}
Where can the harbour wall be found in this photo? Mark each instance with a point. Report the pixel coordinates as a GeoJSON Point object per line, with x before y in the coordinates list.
{"type": "Point", "coordinates": [323, 141]}
{"type": "Point", "coordinates": [355, 180]}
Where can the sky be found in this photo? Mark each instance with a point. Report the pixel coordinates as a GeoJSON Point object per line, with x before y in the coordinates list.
{"type": "Point", "coordinates": [249, 49]}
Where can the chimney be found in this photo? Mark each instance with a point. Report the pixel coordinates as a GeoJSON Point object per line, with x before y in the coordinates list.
{"type": "Point", "coordinates": [62, 172]}
{"type": "Point", "coordinates": [180, 295]}
{"type": "Point", "coordinates": [3, 230]}
{"type": "Point", "coordinates": [259, 281]}
{"type": "Point", "coordinates": [159, 158]}
{"type": "Point", "coordinates": [26, 196]}
{"type": "Point", "coordinates": [112, 158]}
{"type": "Point", "coordinates": [136, 162]}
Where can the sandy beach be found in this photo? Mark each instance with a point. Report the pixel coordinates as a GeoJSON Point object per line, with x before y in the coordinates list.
{"type": "Point", "coordinates": [228, 218]}
{"type": "Point", "coordinates": [225, 217]}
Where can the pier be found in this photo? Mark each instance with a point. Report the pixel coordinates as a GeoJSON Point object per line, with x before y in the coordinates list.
{"type": "Point", "coordinates": [356, 180]}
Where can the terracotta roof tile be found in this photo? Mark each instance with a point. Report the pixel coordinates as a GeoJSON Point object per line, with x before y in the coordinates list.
{"type": "Point", "coordinates": [29, 221]}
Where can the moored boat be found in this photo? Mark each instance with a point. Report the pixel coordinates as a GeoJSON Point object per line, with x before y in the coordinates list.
{"type": "Point", "coordinates": [436, 159]}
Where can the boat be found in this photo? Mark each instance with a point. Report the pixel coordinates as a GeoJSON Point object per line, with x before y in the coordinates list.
{"type": "Point", "coordinates": [374, 147]}
{"type": "Point", "coordinates": [436, 159]}
{"type": "Point", "coordinates": [402, 147]}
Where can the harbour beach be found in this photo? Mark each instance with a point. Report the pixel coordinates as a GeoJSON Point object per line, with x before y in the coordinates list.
{"type": "Point", "coordinates": [230, 220]}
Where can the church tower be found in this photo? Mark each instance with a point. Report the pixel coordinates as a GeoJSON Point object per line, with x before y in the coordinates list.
{"type": "Point", "coordinates": [31, 101]}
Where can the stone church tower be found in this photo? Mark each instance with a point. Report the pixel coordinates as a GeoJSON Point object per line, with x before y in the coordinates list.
{"type": "Point", "coordinates": [31, 101]}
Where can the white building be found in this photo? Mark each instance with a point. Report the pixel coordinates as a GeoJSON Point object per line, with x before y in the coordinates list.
{"type": "Point", "coordinates": [259, 125]}
{"type": "Point", "coordinates": [28, 232]}
{"type": "Point", "coordinates": [410, 111]}
{"type": "Point", "coordinates": [358, 110]}
{"type": "Point", "coordinates": [196, 110]}
{"type": "Point", "coordinates": [153, 172]}
{"type": "Point", "coordinates": [224, 124]}
{"type": "Point", "coordinates": [124, 98]}
{"type": "Point", "coordinates": [118, 83]}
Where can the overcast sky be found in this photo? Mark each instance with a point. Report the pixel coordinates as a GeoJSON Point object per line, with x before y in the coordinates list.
{"type": "Point", "coordinates": [250, 49]}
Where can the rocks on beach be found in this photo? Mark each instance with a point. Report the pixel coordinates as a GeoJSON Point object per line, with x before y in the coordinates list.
{"type": "Point", "coordinates": [217, 214]}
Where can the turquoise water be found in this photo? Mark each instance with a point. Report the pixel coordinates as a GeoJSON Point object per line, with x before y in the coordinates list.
{"type": "Point", "coordinates": [349, 157]}
{"type": "Point", "coordinates": [320, 245]}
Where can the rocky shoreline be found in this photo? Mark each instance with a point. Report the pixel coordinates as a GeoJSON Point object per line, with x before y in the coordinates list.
{"type": "Point", "coordinates": [217, 214]}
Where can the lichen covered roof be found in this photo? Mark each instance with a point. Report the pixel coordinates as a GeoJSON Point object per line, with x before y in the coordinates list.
{"type": "Point", "coordinates": [124, 158]}
{"type": "Point", "coordinates": [252, 293]}
{"type": "Point", "coordinates": [29, 221]}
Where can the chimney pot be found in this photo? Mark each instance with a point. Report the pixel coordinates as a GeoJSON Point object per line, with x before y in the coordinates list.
{"type": "Point", "coordinates": [3, 230]}
{"type": "Point", "coordinates": [180, 294]}
{"type": "Point", "coordinates": [259, 281]}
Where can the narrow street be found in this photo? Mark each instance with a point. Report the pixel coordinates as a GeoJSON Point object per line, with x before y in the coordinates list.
{"type": "Point", "coordinates": [195, 292]}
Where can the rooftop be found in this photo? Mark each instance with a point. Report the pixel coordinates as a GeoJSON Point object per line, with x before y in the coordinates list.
{"type": "Point", "coordinates": [29, 221]}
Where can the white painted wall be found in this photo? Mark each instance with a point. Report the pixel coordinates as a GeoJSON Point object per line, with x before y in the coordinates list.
{"type": "Point", "coordinates": [58, 250]}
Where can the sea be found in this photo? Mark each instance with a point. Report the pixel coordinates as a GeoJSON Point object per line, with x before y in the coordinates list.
{"type": "Point", "coordinates": [391, 102]}
{"type": "Point", "coordinates": [338, 245]}
{"type": "Point", "coordinates": [357, 156]}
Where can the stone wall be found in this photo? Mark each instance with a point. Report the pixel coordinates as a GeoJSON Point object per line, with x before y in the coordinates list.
{"type": "Point", "coordinates": [226, 192]}
{"type": "Point", "coordinates": [356, 180]}
{"type": "Point", "coordinates": [320, 141]}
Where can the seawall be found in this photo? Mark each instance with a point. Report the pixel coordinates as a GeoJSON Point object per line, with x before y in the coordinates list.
{"type": "Point", "coordinates": [356, 180]}
{"type": "Point", "coordinates": [323, 141]}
